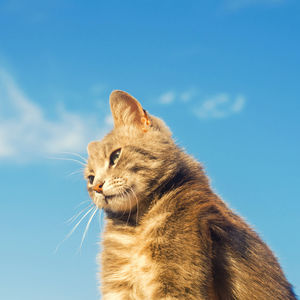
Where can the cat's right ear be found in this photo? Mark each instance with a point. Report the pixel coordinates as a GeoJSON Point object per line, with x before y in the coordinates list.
{"type": "Point", "coordinates": [127, 111]}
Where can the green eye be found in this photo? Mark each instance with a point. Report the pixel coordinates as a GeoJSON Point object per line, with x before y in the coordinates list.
{"type": "Point", "coordinates": [114, 156]}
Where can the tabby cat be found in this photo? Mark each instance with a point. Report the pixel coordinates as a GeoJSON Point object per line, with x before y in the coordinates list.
{"type": "Point", "coordinates": [167, 234]}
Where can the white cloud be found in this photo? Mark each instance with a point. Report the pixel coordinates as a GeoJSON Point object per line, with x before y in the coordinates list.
{"type": "Point", "coordinates": [187, 95]}
{"type": "Point", "coordinates": [239, 4]}
{"type": "Point", "coordinates": [167, 98]}
{"type": "Point", "coordinates": [220, 106]}
{"type": "Point", "coordinates": [170, 96]}
{"type": "Point", "coordinates": [25, 132]}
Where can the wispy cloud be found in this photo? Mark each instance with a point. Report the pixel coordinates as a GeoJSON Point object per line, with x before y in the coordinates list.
{"type": "Point", "coordinates": [220, 106]}
{"type": "Point", "coordinates": [170, 97]}
{"type": "Point", "coordinates": [234, 5]}
{"type": "Point", "coordinates": [167, 98]}
{"type": "Point", "coordinates": [26, 132]}
{"type": "Point", "coordinates": [188, 94]}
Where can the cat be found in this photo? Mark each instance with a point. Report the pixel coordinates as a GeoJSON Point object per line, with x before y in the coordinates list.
{"type": "Point", "coordinates": [167, 234]}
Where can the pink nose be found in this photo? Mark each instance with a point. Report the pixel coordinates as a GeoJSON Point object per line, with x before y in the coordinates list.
{"type": "Point", "coordinates": [98, 188]}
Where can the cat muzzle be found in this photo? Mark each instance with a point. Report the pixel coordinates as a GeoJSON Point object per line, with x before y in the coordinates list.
{"type": "Point", "coordinates": [98, 188]}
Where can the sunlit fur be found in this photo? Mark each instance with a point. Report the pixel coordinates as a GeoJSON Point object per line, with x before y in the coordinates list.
{"type": "Point", "coordinates": [168, 235]}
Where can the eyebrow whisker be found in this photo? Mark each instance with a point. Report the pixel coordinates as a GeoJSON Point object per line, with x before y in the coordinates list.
{"type": "Point", "coordinates": [75, 154]}
{"type": "Point", "coordinates": [68, 159]}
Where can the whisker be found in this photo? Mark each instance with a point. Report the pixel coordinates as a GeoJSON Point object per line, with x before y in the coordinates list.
{"type": "Point", "coordinates": [81, 170]}
{"type": "Point", "coordinates": [128, 218]}
{"type": "Point", "coordinates": [123, 194]}
{"type": "Point", "coordinates": [69, 159]}
{"type": "Point", "coordinates": [75, 154]}
{"type": "Point", "coordinates": [137, 205]}
{"type": "Point", "coordinates": [72, 219]}
{"type": "Point", "coordinates": [87, 226]}
{"type": "Point", "coordinates": [128, 187]}
{"type": "Point", "coordinates": [74, 228]}
{"type": "Point", "coordinates": [100, 219]}
{"type": "Point", "coordinates": [81, 203]}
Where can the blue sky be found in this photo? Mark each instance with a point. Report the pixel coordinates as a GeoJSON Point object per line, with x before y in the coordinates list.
{"type": "Point", "coordinates": [223, 74]}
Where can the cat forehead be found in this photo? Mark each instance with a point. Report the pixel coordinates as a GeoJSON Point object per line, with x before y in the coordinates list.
{"type": "Point", "coordinates": [96, 150]}
{"type": "Point", "coordinates": [93, 147]}
{"type": "Point", "coordinates": [100, 149]}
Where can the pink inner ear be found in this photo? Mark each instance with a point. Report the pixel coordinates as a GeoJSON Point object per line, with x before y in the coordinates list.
{"type": "Point", "coordinates": [145, 121]}
{"type": "Point", "coordinates": [127, 111]}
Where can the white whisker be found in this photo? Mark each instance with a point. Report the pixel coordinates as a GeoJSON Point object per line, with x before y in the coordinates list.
{"type": "Point", "coordinates": [74, 228]}
{"type": "Point", "coordinates": [100, 219]}
{"type": "Point", "coordinates": [137, 206]}
{"type": "Point", "coordinates": [75, 154]}
{"type": "Point", "coordinates": [70, 159]}
{"type": "Point", "coordinates": [81, 203]}
{"type": "Point", "coordinates": [122, 194]}
{"type": "Point", "coordinates": [128, 218]}
{"type": "Point", "coordinates": [81, 170]}
{"type": "Point", "coordinates": [87, 226]}
{"type": "Point", "coordinates": [72, 219]}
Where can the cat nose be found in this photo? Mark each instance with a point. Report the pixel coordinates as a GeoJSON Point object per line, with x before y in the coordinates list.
{"type": "Point", "coordinates": [98, 188]}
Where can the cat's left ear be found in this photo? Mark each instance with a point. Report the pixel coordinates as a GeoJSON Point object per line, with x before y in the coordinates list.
{"type": "Point", "coordinates": [127, 111]}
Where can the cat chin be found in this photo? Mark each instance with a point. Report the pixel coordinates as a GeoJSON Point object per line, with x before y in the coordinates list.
{"type": "Point", "coordinates": [115, 203]}
{"type": "Point", "coordinates": [119, 204]}
{"type": "Point", "coordinates": [99, 200]}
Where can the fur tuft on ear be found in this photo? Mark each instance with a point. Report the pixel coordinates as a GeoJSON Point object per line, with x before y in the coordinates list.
{"type": "Point", "coordinates": [127, 111]}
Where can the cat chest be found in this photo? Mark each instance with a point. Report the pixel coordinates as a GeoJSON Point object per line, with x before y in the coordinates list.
{"type": "Point", "coordinates": [128, 268]}
{"type": "Point", "coordinates": [127, 265]}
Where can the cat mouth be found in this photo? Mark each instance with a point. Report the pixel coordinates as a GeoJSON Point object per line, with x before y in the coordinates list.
{"type": "Point", "coordinates": [126, 193]}
{"type": "Point", "coordinates": [109, 197]}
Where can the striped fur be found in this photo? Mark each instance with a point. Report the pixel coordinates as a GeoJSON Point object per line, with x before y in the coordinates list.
{"type": "Point", "coordinates": [168, 235]}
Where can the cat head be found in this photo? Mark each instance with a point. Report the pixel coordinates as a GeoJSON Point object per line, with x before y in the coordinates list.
{"type": "Point", "coordinates": [131, 162]}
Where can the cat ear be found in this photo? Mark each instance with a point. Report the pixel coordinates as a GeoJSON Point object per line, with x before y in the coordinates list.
{"type": "Point", "coordinates": [127, 111]}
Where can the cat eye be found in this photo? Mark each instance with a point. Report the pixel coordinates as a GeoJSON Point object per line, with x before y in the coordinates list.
{"type": "Point", "coordinates": [114, 156]}
{"type": "Point", "coordinates": [91, 179]}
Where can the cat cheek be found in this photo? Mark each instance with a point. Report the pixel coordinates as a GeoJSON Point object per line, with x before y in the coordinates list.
{"type": "Point", "coordinates": [99, 200]}
{"type": "Point", "coordinates": [91, 192]}
{"type": "Point", "coordinates": [95, 198]}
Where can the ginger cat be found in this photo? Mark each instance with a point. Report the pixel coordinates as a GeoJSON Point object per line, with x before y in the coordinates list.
{"type": "Point", "coordinates": [167, 234]}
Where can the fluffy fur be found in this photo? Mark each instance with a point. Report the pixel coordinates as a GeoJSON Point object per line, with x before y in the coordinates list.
{"type": "Point", "coordinates": [168, 235]}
